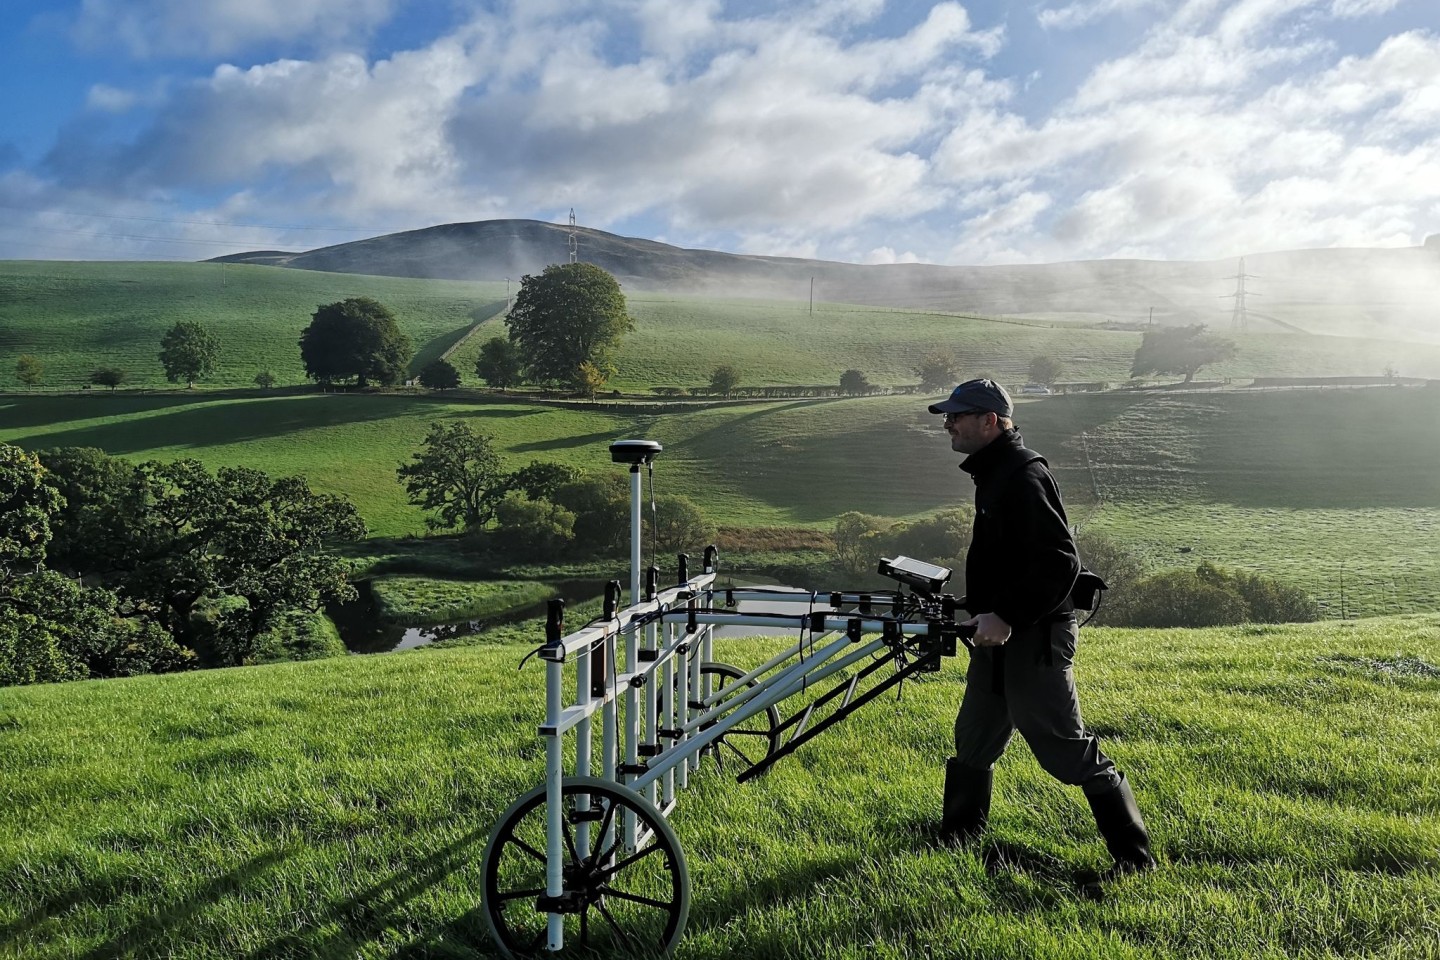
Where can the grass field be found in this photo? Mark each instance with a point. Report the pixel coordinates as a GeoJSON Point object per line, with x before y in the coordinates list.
{"type": "Point", "coordinates": [77, 316]}
{"type": "Point", "coordinates": [339, 809]}
{"type": "Point", "coordinates": [1336, 491]}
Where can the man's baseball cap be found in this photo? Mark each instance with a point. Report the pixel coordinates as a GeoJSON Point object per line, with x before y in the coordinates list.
{"type": "Point", "coordinates": [976, 396]}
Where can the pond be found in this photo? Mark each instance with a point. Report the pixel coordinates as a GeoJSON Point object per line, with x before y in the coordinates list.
{"type": "Point", "coordinates": [363, 630]}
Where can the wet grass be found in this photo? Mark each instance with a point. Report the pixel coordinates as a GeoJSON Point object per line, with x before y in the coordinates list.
{"type": "Point", "coordinates": [339, 808]}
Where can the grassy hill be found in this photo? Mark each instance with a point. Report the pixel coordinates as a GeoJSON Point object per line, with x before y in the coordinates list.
{"type": "Point", "coordinates": [1336, 491]}
{"type": "Point", "coordinates": [1387, 292]}
{"type": "Point", "coordinates": [340, 808]}
{"type": "Point", "coordinates": [77, 316]}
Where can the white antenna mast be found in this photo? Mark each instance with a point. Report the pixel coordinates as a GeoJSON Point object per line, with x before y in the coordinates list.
{"type": "Point", "coordinates": [574, 239]}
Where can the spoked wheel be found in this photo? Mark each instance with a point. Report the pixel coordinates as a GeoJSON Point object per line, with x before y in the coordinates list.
{"type": "Point", "coordinates": [749, 742]}
{"type": "Point", "coordinates": [615, 902]}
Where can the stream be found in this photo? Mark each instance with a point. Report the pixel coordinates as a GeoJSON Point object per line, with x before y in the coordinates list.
{"type": "Point", "coordinates": [363, 630]}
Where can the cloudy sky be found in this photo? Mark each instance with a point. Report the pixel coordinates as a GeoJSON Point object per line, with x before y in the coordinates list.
{"type": "Point", "coordinates": [982, 131]}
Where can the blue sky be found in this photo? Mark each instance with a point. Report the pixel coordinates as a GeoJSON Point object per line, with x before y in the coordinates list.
{"type": "Point", "coordinates": [860, 130]}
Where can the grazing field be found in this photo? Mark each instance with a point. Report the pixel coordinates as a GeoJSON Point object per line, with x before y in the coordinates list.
{"type": "Point", "coordinates": [340, 808]}
{"type": "Point", "coordinates": [77, 316]}
{"type": "Point", "coordinates": [1336, 491]}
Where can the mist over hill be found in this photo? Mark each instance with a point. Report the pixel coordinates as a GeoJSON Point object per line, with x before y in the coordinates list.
{"type": "Point", "coordinates": [1392, 292]}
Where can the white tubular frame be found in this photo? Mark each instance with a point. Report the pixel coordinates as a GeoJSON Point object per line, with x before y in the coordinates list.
{"type": "Point", "coordinates": [669, 715]}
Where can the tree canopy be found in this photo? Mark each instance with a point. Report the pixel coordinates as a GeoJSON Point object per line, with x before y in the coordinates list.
{"type": "Point", "coordinates": [938, 369]}
{"type": "Point", "coordinates": [439, 375]}
{"type": "Point", "coordinates": [456, 473]}
{"type": "Point", "coordinates": [1045, 369]}
{"type": "Point", "coordinates": [500, 363]}
{"type": "Point", "coordinates": [110, 377]}
{"type": "Point", "coordinates": [854, 383]}
{"type": "Point", "coordinates": [570, 314]}
{"type": "Point", "coordinates": [29, 370]}
{"type": "Point", "coordinates": [1180, 350]}
{"type": "Point", "coordinates": [188, 352]}
{"type": "Point", "coordinates": [214, 559]}
{"type": "Point", "coordinates": [357, 337]}
{"type": "Point", "coordinates": [724, 379]}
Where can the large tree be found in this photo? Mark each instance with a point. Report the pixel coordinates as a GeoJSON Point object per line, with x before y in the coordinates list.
{"type": "Point", "coordinates": [1180, 350]}
{"type": "Point", "coordinates": [500, 363]}
{"type": "Point", "coordinates": [724, 379]}
{"type": "Point", "coordinates": [457, 474]}
{"type": "Point", "coordinates": [439, 375]}
{"type": "Point", "coordinates": [571, 314]}
{"type": "Point", "coordinates": [357, 337]}
{"type": "Point", "coordinates": [188, 352]}
{"type": "Point", "coordinates": [110, 377]}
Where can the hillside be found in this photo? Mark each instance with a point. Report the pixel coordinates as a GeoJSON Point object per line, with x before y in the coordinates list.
{"type": "Point", "coordinates": [1284, 483]}
{"type": "Point", "coordinates": [77, 316]}
{"type": "Point", "coordinates": [1388, 293]}
{"type": "Point", "coordinates": [340, 808]}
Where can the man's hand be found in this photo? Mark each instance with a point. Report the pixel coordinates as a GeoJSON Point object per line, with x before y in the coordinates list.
{"type": "Point", "coordinates": [990, 630]}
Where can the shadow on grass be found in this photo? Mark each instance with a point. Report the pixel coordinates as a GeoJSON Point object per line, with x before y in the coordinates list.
{"type": "Point", "coordinates": [345, 928]}
{"type": "Point", "coordinates": [435, 348]}
{"type": "Point", "coordinates": [139, 938]}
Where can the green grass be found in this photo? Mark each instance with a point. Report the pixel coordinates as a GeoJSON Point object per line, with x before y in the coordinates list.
{"type": "Point", "coordinates": [339, 808]}
{"type": "Point", "coordinates": [79, 316]}
{"type": "Point", "coordinates": [1335, 491]}
{"type": "Point", "coordinates": [417, 599]}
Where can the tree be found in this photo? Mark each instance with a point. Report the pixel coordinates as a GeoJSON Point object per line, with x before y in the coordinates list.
{"type": "Point", "coordinates": [1045, 369]}
{"type": "Point", "coordinates": [938, 369]}
{"type": "Point", "coordinates": [108, 524]}
{"type": "Point", "coordinates": [533, 529]}
{"type": "Point", "coordinates": [228, 553]}
{"type": "Point", "coordinates": [570, 314]}
{"type": "Point", "coordinates": [855, 535]}
{"type": "Point", "coordinates": [29, 370]}
{"type": "Point", "coordinates": [457, 474]}
{"type": "Point", "coordinates": [188, 352]}
{"type": "Point", "coordinates": [500, 363]}
{"type": "Point", "coordinates": [724, 379]}
{"type": "Point", "coordinates": [1180, 350]}
{"type": "Point", "coordinates": [265, 379]}
{"type": "Point", "coordinates": [853, 382]}
{"type": "Point", "coordinates": [679, 525]}
{"type": "Point", "coordinates": [601, 505]}
{"type": "Point", "coordinates": [539, 480]}
{"type": "Point", "coordinates": [357, 337]}
{"type": "Point", "coordinates": [590, 377]}
{"type": "Point", "coordinates": [110, 377]}
{"type": "Point", "coordinates": [28, 503]}
{"type": "Point", "coordinates": [439, 375]}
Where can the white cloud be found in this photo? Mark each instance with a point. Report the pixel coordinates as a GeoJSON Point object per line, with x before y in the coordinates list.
{"type": "Point", "coordinates": [888, 255]}
{"type": "Point", "coordinates": [110, 99]}
{"type": "Point", "coordinates": [148, 28]}
{"type": "Point", "coordinates": [1084, 12]}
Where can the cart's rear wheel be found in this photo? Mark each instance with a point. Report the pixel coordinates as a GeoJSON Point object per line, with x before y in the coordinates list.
{"type": "Point", "coordinates": [630, 904]}
{"type": "Point", "coordinates": [749, 742]}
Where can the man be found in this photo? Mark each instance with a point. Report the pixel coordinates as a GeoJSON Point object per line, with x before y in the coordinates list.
{"type": "Point", "coordinates": [1019, 574]}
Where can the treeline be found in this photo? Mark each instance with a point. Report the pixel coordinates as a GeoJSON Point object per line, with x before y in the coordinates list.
{"type": "Point", "coordinates": [109, 568]}
{"type": "Point", "coordinates": [542, 512]}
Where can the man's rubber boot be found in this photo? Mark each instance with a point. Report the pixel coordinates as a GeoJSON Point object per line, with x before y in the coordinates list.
{"type": "Point", "coordinates": [1120, 823]}
{"type": "Point", "coordinates": [966, 805]}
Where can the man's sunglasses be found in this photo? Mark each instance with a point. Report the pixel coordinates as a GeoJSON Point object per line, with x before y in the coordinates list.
{"type": "Point", "coordinates": [952, 417]}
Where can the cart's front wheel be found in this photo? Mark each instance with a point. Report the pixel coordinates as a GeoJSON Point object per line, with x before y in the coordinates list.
{"type": "Point", "coordinates": [617, 901]}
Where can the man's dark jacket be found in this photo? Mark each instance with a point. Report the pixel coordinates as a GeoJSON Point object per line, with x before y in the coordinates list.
{"type": "Point", "coordinates": [1022, 562]}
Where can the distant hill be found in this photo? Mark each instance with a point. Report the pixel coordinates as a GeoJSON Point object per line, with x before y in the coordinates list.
{"type": "Point", "coordinates": [1392, 293]}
